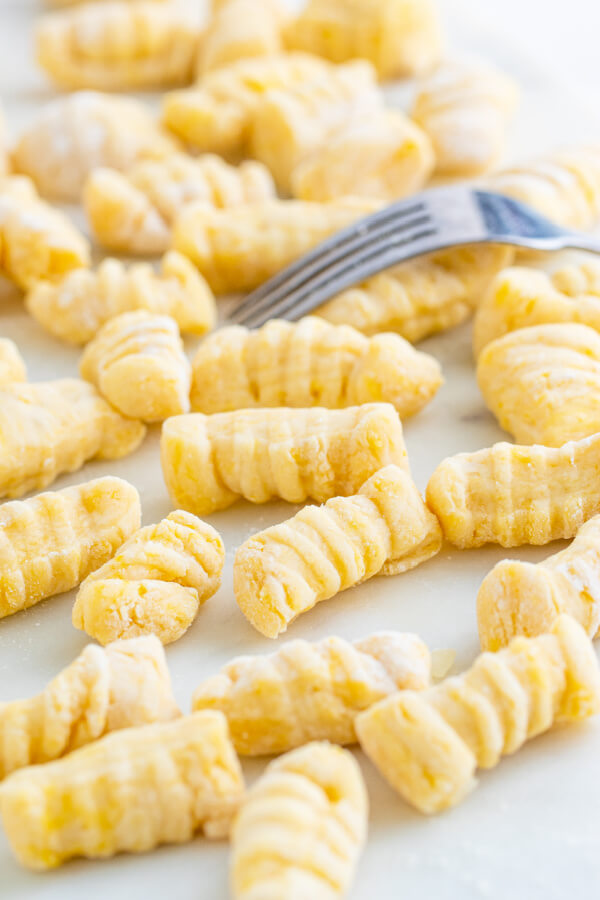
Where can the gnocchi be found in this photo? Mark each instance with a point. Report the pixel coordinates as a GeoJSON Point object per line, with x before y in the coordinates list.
{"type": "Point", "coordinates": [240, 29]}
{"type": "Point", "coordinates": [12, 365]}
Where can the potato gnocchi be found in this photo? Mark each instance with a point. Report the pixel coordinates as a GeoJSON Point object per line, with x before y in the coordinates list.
{"type": "Point", "coordinates": [51, 542]}
{"type": "Point", "coordinates": [75, 308]}
{"type": "Point", "coordinates": [155, 584]}
{"type": "Point", "coordinates": [428, 744]}
{"type": "Point", "coordinates": [240, 29]}
{"type": "Point", "coordinates": [310, 363]}
{"type": "Point", "coordinates": [302, 827]}
{"type": "Point", "coordinates": [129, 792]}
{"type": "Point", "coordinates": [264, 697]}
{"type": "Point", "coordinates": [126, 685]}
{"type": "Point", "coordinates": [138, 364]}
{"type": "Point", "coordinates": [12, 364]}
{"type": "Point", "coordinates": [209, 462]}
{"type": "Point", "coordinates": [284, 571]}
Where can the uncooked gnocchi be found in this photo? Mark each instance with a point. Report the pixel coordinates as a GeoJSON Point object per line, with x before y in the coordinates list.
{"type": "Point", "coordinates": [155, 584]}
{"type": "Point", "coordinates": [240, 29]}
{"type": "Point", "coordinates": [209, 462]}
{"type": "Point", "coordinates": [428, 744]}
{"type": "Point", "coordinates": [12, 365]}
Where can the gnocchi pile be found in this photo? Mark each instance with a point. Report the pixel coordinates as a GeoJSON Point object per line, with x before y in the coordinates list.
{"type": "Point", "coordinates": [273, 132]}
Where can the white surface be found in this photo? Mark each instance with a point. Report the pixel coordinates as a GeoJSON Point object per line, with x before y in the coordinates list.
{"type": "Point", "coordinates": [532, 828]}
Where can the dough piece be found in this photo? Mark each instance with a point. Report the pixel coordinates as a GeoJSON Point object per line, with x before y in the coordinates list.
{"type": "Point", "coordinates": [310, 363]}
{"type": "Point", "coordinates": [82, 131]}
{"type": "Point", "coordinates": [284, 571]}
{"type": "Point", "coordinates": [134, 212]}
{"type": "Point", "coordinates": [216, 116]}
{"type": "Point", "coordinates": [209, 462]}
{"type": "Point", "coordinates": [240, 29]}
{"type": "Point", "coordinates": [465, 107]}
{"type": "Point", "coordinates": [564, 186]}
{"type": "Point", "coordinates": [428, 744]}
{"type": "Point", "coordinates": [5, 163]}
{"type": "Point", "coordinates": [118, 46]}
{"type": "Point", "coordinates": [12, 364]}
{"type": "Point", "coordinates": [266, 698]}
{"type": "Point", "coordinates": [129, 792]}
{"type": "Point", "coordinates": [75, 309]}
{"type": "Point", "coordinates": [51, 542]}
{"type": "Point", "coordinates": [290, 123]}
{"type": "Point", "coordinates": [53, 427]}
{"type": "Point", "coordinates": [382, 155]}
{"type": "Point", "coordinates": [302, 827]}
{"type": "Point", "coordinates": [420, 297]}
{"type": "Point", "coordinates": [522, 598]}
{"type": "Point", "coordinates": [36, 241]}
{"type": "Point", "coordinates": [520, 297]}
{"type": "Point", "coordinates": [400, 37]}
{"type": "Point", "coordinates": [127, 684]}
{"type": "Point", "coordinates": [542, 383]}
{"type": "Point", "coordinates": [155, 584]}
{"type": "Point", "coordinates": [512, 495]}
{"type": "Point", "coordinates": [238, 249]}
{"type": "Point", "coordinates": [138, 364]}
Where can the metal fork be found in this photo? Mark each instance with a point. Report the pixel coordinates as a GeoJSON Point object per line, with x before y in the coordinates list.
{"type": "Point", "coordinates": [434, 220]}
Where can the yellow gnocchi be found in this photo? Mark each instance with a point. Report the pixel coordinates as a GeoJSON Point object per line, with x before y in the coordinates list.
{"type": "Point", "coordinates": [118, 46]}
{"type": "Point", "coordinates": [310, 363]}
{"type": "Point", "coordinates": [240, 29]}
{"type": "Point", "coordinates": [134, 212]}
{"type": "Point", "coordinates": [428, 744]}
{"type": "Point", "coordinates": [129, 792]}
{"type": "Point", "coordinates": [209, 462]}
{"type": "Point", "coordinates": [53, 427]}
{"type": "Point", "coordinates": [76, 307]}
{"type": "Point", "coordinates": [284, 571]}
{"type": "Point", "coordinates": [81, 132]}
{"type": "Point", "coordinates": [155, 584]}
{"type": "Point", "coordinates": [127, 684]}
{"type": "Point", "coordinates": [542, 383]}
{"type": "Point", "coordinates": [302, 827]}
{"type": "Point", "coordinates": [12, 364]}
{"type": "Point", "coordinates": [138, 364]}
{"type": "Point", "coordinates": [51, 542]}
{"type": "Point", "coordinates": [264, 697]}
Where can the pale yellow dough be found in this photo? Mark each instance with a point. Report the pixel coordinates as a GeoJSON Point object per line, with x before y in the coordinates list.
{"type": "Point", "coordinates": [12, 364]}
{"type": "Point", "coordinates": [134, 211]}
{"type": "Point", "coordinates": [55, 426]}
{"type": "Point", "coordinates": [428, 744]}
{"type": "Point", "coordinates": [311, 692]}
{"type": "Point", "coordinates": [5, 163]}
{"type": "Point", "coordinates": [284, 571]}
{"type": "Point", "coordinates": [209, 462]}
{"type": "Point", "coordinates": [511, 495]}
{"type": "Point", "coordinates": [240, 29]}
{"type": "Point", "coordinates": [79, 305]}
{"type": "Point", "coordinates": [127, 684]}
{"type": "Point", "coordinates": [542, 383]}
{"type": "Point", "coordinates": [138, 364]}
{"type": "Point", "coordinates": [301, 829]}
{"type": "Point", "coordinates": [51, 542]}
{"type": "Point", "coordinates": [155, 584]}
{"type": "Point", "coordinates": [115, 45]}
{"type": "Point", "coordinates": [310, 363]}
{"type": "Point", "coordinates": [129, 792]}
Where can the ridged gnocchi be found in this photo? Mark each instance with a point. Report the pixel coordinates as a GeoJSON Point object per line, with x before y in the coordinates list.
{"type": "Point", "coordinates": [125, 685]}
{"type": "Point", "coordinates": [51, 542]}
{"type": "Point", "coordinates": [209, 462]}
{"type": "Point", "coordinates": [240, 29]}
{"type": "Point", "coordinates": [155, 584]}
{"type": "Point", "coordinates": [116, 45]}
{"type": "Point", "coordinates": [138, 364]}
{"type": "Point", "coordinates": [542, 383]}
{"type": "Point", "coordinates": [134, 211]}
{"type": "Point", "coordinates": [53, 427]}
{"type": "Point", "coordinates": [284, 571]}
{"type": "Point", "coordinates": [12, 364]}
{"type": "Point", "coordinates": [302, 827]}
{"type": "Point", "coordinates": [511, 495]}
{"type": "Point", "coordinates": [75, 308]}
{"type": "Point", "coordinates": [264, 697]}
{"type": "Point", "coordinates": [310, 363]}
{"type": "Point", "coordinates": [428, 744]}
{"type": "Point", "coordinates": [129, 792]}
